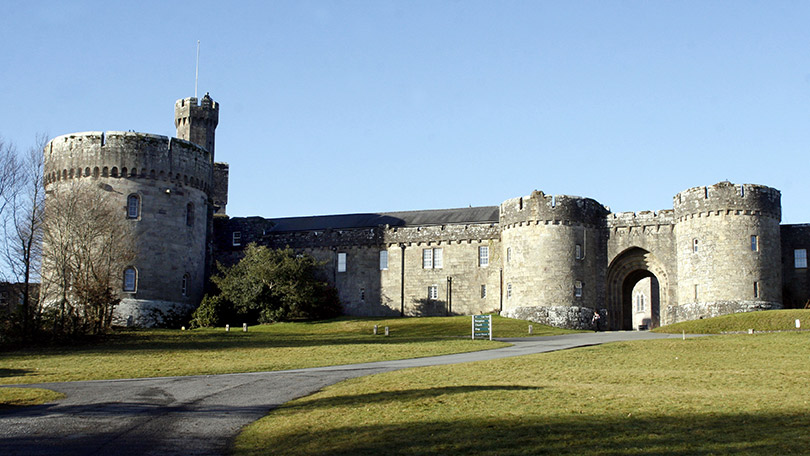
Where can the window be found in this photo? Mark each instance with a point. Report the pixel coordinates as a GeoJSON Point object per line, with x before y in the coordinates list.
{"type": "Point", "coordinates": [362, 294]}
{"type": "Point", "coordinates": [383, 260]}
{"type": "Point", "coordinates": [754, 243]}
{"type": "Point", "coordinates": [508, 290]}
{"type": "Point", "coordinates": [696, 292]}
{"type": "Point", "coordinates": [432, 258]}
{"type": "Point", "coordinates": [508, 254]}
{"type": "Point", "coordinates": [578, 249]}
{"type": "Point", "coordinates": [800, 258]}
{"type": "Point", "coordinates": [130, 279]}
{"type": "Point", "coordinates": [184, 286]}
{"type": "Point", "coordinates": [483, 256]}
{"type": "Point", "coordinates": [641, 304]}
{"type": "Point", "coordinates": [190, 214]}
{"type": "Point", "coordinates": [438, 259]}
{"type": "Point", "coordinates": [133, 206]}
{"type": "Point", "coordinates": [578, 289]}
{"type": "Point", "coordinates": [433, 292]}
{"type": "Point", "coordinates": [483, 291]}
{"type": "Point", "coordinates": [756, 289]}
{"type": "Point", "coordinates": [694, 245]}
{"type": "Point", "coordinates": [341, 262]}
{"type": "Point", "coordinates": [237, 238]}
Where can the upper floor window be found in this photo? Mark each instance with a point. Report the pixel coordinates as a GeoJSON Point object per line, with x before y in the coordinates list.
{"type": "Point", "coordinates": [184, 285]}
{"type": "Point", "coordinates": [578, 252]}
{"type": "Point", "coordinates": [509, 254]}
{"type": "Point", "coordinates": [133, 206]}
{"type": "Point", "coordinates": [341, 266]}
{"type": "Point", "coordinates": [578, 289]}
{"type": "Point", "coordinates": [483, 256]}
{"type": "Point", "coordinates": [694, 245]}
{"type": "Point", "coordinates": [383, 260]}
{"type": "Point", "coordinates": [800, 258]}
{"type": "Point", "coordinates": [237, 238]}
{"type": "Point", "coordinates": [362, 294]}
{"type": "Point", "coordinates": [754, 243]}
{"type": "Point", "coordinates": [130, 279]}
{"type": "Point", "coordinates": [432, 258]}
{"type": "Point", "coordinates": [483, 291]}
{"type": "Point", "coordinates": [190, 214]}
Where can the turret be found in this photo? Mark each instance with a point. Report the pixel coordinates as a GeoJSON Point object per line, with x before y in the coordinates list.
{"type": "Point", "coordinates": [197, 122]}
{"type": "Point", "coordinates": [729, 251]}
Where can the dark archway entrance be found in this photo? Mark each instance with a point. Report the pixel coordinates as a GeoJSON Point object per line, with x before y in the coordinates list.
{"type": "Point", "coordinates": [626, 273]}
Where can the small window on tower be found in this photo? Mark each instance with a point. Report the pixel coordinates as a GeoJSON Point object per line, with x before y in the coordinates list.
{"type": "Point", "coordinates": [190, 214]}
{"type": "Point", "coordinates": [754, 243]}
{"type": "Point", "coordinates": [133, 206]}
{"type": "Point", "coordinates": [694, 245]}
{"type": "Point", "coordinates": [130, 279]}
{"type": "Point", "coordinates": [237, 238]}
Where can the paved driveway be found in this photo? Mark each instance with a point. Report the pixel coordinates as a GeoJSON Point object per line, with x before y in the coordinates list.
{"type": "Point", "coordinates": [201, 414]}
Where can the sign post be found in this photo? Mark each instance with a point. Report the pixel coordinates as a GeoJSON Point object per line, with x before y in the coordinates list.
{"type": "Point", "coordinates": [482, 327]}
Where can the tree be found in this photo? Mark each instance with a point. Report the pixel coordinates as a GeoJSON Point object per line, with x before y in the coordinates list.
{"type": "Point", "coordinates": [22, 228]}
{"type": "Point", "coordinates": [87, 243]}
{"type": "Point", "coordinates": [269, 285]}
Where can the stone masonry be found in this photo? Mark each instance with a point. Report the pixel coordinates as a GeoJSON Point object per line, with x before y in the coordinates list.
{"type": "Point", "coordinates": [551, 259]}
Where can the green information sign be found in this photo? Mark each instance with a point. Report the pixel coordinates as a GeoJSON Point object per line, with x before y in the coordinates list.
{"type": "Point", "coordinates": [482, 327]}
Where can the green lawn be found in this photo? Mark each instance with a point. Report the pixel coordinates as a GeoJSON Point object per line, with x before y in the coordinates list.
{"type": "Point", "coordinates": [771, 320]}
{"type": "Point", "coordinates": [150, 353]}
{"type": "Point", "coordinates": [738, 394]}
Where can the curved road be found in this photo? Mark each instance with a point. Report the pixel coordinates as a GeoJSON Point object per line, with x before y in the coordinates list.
{"type": "Point", "coordinates": [201, 414]}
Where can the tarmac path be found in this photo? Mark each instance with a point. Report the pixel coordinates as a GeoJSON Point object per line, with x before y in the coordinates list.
{"type": "Point", "coordinates": [200, 415]}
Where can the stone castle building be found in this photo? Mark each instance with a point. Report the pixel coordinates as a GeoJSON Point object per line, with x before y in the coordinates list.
{"type": "Point", "coordinates": [551, 259]}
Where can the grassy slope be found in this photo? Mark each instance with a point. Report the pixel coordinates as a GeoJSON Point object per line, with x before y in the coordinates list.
{"type": "Point", "coordinates": [772, 320]}
{"type": "Point", "coordinates": [718, 395]}
{"type": "Point", "coordinates": [149, 353]}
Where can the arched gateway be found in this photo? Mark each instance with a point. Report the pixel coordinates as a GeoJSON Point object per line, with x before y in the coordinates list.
{"type": "Point", "coordinates": [624, 273]}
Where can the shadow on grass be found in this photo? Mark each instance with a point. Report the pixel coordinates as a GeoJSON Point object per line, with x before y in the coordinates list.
{"type": "Point", "coordinates": [404, 395]}
{"type": "Point", "coordinates": [570, 434]}
{"type": "Point", "coordinates": [15, 372]}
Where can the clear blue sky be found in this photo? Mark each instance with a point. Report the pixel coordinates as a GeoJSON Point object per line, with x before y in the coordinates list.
{"type": "Point", "coordinates": [342, 106]}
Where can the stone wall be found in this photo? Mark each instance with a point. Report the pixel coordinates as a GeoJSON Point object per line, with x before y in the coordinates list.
{"type": "Point", "coordinates": [170, 178]}
{"type": "Point", "coordinates": [796, 279]}
{"type": "Point", "coordinates": [728, 246]}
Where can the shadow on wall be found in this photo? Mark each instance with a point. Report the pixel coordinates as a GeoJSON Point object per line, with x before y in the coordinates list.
{"type": "Point", "coordinates": [427, 308]}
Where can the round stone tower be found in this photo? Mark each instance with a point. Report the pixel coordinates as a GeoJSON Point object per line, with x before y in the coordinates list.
{"type": "Point", "coordinates": [727, 241]}
{"type": "Point", "coordinates": [554, 258]}
{"type": "Point", "coordinates": [163, 188]}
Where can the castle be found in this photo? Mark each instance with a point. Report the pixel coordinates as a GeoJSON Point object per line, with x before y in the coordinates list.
{"type": "Point", "coordinates": [550, 259]}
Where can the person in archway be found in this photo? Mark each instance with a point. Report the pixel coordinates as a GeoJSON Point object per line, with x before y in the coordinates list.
{"type": "Point", "coordinates": [595, 320]}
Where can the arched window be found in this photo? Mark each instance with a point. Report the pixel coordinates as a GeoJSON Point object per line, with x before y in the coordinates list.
{"type": "Point", "coordinates": [130, 279]}
{"type": "Point", "coordinates": [190, 214]}
{"type": "Point", "coordinates": [133, 206]}
{"type": "Point", "coordinates": [184, 288]}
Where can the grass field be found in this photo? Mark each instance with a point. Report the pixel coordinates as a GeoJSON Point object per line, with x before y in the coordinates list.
{"type": "Point", "coordinates": [772, 320]}
{"type": "Point", "coordinates": [741, 394]}
{"type": "Point", "coordinates": [150, 353]}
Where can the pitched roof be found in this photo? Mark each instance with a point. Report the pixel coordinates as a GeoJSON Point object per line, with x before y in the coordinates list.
{"type": "Point", "coordinates": [485, 214]}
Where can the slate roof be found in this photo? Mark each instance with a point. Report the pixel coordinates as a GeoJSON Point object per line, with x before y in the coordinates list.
{"type": "Point", "coordinates": [484, 214]}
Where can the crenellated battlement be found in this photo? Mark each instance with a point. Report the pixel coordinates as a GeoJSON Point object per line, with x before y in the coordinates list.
{"type": "Point", "coordinates": [641, 218]}
{"type": "Point", "coordinates": [127, 155]}
{"type": "Point", "coordinates": [557, 209]}
{"type": "Point", "coordinates": [206, 102]}
{"type": "Point", "coordinates": [729, 199]}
